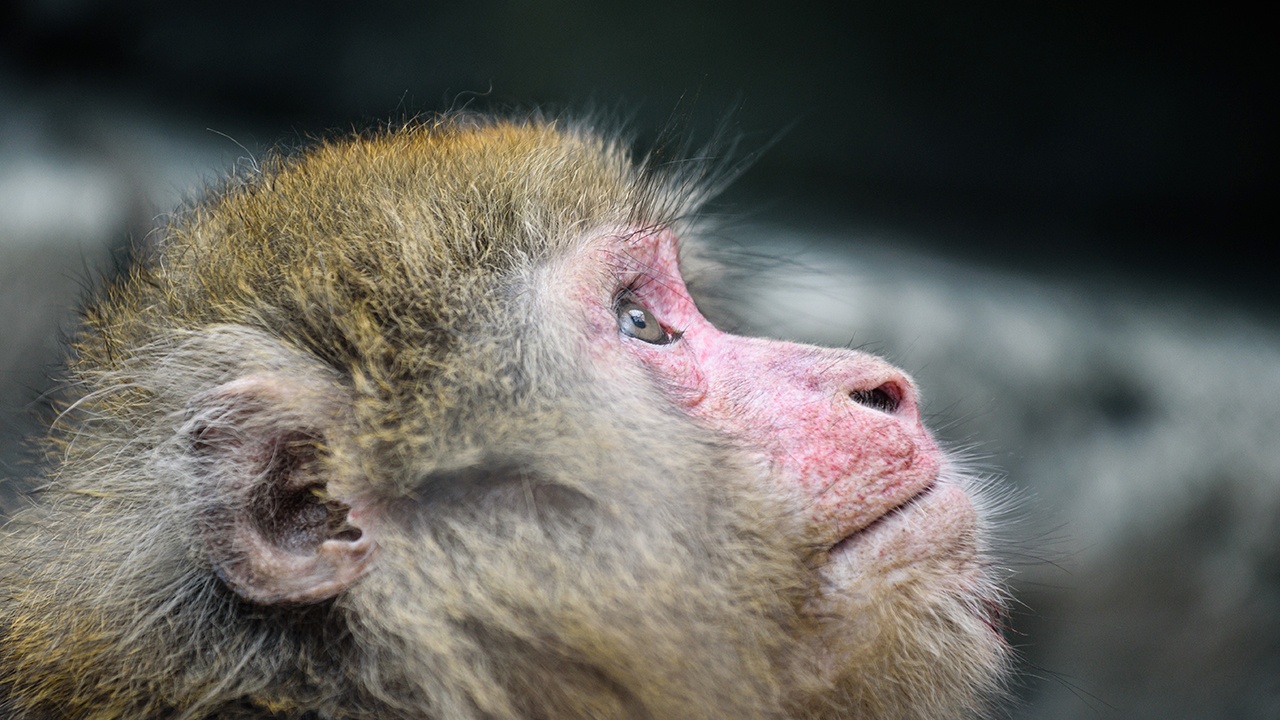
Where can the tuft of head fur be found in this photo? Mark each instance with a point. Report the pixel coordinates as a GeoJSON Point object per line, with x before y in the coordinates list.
{"type": "Point", "coordinates": [550, 546]}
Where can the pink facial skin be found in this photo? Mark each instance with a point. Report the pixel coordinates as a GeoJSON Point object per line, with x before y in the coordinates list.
{"type": "Point", "coordinates": [838, 428]}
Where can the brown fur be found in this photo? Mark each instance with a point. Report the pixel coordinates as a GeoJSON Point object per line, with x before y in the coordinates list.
{"type": "Point", "coordinates": [549, 546]}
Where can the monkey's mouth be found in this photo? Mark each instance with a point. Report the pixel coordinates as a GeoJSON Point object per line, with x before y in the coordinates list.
{"type": "Point", "coordinates": [888, 515]}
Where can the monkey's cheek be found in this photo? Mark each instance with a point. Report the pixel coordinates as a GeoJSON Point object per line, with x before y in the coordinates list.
{"type": "Point", "coordinates": [930, 544]}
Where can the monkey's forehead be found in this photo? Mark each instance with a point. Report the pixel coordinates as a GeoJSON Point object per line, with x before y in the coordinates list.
{"type": "Point", "coordinates": [387, 240]}
{"type": "Point", "coordinates": [456, 191]}
{"type": "Point", "coordinates": [429, 200]}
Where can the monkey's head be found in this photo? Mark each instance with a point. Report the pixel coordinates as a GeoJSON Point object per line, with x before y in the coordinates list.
{"type": "Point", "coordinates": [428, 425]}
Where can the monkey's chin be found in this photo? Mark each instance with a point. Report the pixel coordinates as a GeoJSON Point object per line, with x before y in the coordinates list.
{"type": "Point", "coordinates": [906, 611]}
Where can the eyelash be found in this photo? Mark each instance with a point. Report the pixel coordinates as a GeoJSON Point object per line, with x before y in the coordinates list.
{"type": "Point", "coordinates": [630, 290]}
{"type": "Point", "coordinates": [635, 283]}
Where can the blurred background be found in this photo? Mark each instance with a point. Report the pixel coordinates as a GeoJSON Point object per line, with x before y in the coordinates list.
{"type": "Point", "coordinates": [1060, 220]}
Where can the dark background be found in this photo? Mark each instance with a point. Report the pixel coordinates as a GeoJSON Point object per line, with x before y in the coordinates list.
{"type": "Point", "coordinates": [1058, 219]}
{"type": "Point", "coordinates": [1086, 138]}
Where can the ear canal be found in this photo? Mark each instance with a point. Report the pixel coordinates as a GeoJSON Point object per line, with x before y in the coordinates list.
{"type": "Point", "coordinates": [270, 528]}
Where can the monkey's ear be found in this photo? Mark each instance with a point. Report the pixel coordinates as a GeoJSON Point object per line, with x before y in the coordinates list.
{"type": "Point", "coordinates": [269, 525]}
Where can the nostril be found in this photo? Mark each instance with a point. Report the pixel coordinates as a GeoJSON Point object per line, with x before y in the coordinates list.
{"type": "Point", "coordinates": [885, 398]}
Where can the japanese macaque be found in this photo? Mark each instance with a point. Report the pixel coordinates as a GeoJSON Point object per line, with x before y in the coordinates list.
{"type": "Point", "coordinates": [426, 424]}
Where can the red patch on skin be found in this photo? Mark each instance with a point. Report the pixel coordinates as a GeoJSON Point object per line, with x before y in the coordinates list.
{"type": "Point", "coordinates": [793, 404]}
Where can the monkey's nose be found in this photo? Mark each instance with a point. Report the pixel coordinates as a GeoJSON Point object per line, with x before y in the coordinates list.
{"type": "Point", "coordinates": [895, 396]}
{"type": "Point", "coordinates": [885, 398]}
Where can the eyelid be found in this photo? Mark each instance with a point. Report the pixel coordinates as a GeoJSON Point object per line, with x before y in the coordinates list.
{"type": "Point", "coordinates": [629, 292]}
{"type": "Point", "coordinates": [631, 282]}
{"type": "Point", "coordinates": [622, 295]}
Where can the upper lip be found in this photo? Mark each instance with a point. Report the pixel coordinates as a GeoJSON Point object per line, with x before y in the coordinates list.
{"type": "Point", "coordinates": [884, 516]}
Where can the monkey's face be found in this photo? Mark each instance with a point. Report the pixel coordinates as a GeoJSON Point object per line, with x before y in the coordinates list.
{"type": "Point", "coordinates": [836, 433]}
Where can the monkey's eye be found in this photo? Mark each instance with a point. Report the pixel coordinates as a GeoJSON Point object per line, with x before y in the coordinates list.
{"type": "Point", "coordinates": [635, 320]}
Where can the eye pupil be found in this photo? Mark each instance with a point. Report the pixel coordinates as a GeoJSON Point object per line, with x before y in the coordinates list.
{"type": "Point", "coordinates": [637, 318]}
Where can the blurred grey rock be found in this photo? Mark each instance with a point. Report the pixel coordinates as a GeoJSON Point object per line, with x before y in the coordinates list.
{"type": "Point", "coordinates": [78, 178]}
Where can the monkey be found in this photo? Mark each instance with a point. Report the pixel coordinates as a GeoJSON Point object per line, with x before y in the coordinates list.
{"type": "Point", "coordinates": [425, 422]}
